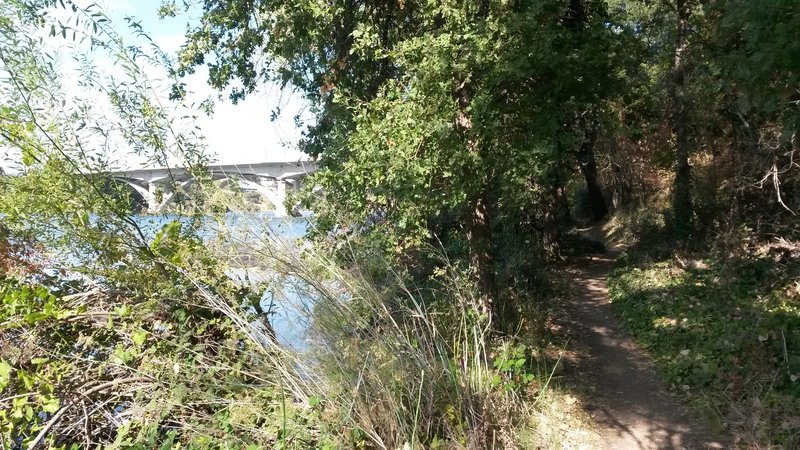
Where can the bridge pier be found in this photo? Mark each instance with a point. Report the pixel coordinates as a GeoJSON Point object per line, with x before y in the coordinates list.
{"type": "Point", "coordinates": [281, 189]}
{"type": "Point", "coordinates": [152, 199]}
{"type": "Point", "coordinates": [275, 192]}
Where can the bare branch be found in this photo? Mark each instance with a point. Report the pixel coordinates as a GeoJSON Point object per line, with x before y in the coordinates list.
{"type": "Point", "coordinates": [57, 416]}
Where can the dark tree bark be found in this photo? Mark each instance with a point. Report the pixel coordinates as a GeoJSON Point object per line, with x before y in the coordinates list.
{"type": "Point", "coordinates": [556, 216]}
{"type": "Point", "coordinates": [621, 195]}
{"type": "Point", "coordinates": [585, 155]}
{"type": "Point", "coordinates": [597, 202]}
{"type": "Point", "coordinates": [682, 196]}
{"type": "Point", "coordinates": [576, 20]}
{"type": "Point", "coordinates": [478, 224]}
{"type": "Point", "coordinates": [479, 237]}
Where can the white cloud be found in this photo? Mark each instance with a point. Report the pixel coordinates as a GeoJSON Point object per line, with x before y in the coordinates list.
{"type": "Point", "coordinates": [245, 133]}
{"type": "Point", "coordinates": [170, 43]}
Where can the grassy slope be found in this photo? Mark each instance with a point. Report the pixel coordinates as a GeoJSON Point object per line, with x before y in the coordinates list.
{"type": "Point", "coordinates": [725, 333]}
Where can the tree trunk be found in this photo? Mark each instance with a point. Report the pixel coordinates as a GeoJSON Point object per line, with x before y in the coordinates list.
{"type": "Point", "coordinates": [479, 237]}
{"type": "Point", "coordinates": [575, 20]}
{"type": "Point", "coordinates": [621, 189]}
{"type": "Point", "coordinates": [479, 233]}
{"type": "Point", "coordinates": [597, 202]}
{"type": "Point", "coordinates": [682, 196]}
{"type": "Point", "coordinates": [562, 213]}
{"type": "Point", "coordinates": [556, 216]}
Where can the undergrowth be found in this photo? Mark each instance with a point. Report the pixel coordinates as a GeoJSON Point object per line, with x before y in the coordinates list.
{"type": "Point", "coordinates": [725, 332]}
{"type": "Point", "coordinates": [171, 352]}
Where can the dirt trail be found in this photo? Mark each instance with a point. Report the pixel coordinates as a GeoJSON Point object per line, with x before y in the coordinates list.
{"type": "Point", "coordinates": [630, 405]}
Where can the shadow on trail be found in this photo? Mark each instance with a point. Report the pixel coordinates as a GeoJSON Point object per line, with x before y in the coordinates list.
{"type": "Point", "coordinates": [629, 403]}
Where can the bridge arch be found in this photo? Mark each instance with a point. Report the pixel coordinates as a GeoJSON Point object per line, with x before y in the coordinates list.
{"type": "Point", "coordinates": [171, 194]}
{"type": "Point", "coordinates": [276, 197]}
{"type": "Point", "coordinates": [140, 187]}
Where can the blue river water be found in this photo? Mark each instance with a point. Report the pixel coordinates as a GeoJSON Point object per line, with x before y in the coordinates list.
{"type": "Point", "coordinates": [241, 226]}
{"type": "Point", "coordinates": [251, 229]}
{"type": "Point", "coordinates": [285, 302]}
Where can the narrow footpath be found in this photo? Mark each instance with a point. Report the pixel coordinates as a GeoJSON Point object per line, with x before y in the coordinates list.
{"type": "Point", "coordinates": [630, 405]}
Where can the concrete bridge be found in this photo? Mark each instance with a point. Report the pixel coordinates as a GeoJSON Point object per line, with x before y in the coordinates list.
{"type": "Point", "coordinates": [160, 186]}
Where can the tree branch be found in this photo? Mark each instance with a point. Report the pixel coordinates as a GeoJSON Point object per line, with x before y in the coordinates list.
{"type": "Point", "coordinates": [57, 416]}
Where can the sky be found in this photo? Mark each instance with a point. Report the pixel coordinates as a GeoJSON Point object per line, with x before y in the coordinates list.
{"type": "Point", "coordinates": [234, 134]}
{"type": "Point", "coordinates": [241, 133]}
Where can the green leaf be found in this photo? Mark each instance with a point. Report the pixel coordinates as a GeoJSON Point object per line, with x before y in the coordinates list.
{"type": "Point", "coordinates": [123, 311]}
{"type": "Point", "coordinates": [139, 336]}
{"type": "Point", "coordinates": [51, 404]}
{"type": "Point", "coordinates": [5, 374]}
{"type": "Point", "coordinates": [26, 379]}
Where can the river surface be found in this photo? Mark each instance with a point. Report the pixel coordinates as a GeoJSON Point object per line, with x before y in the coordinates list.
{"type": "Point", "coordinates": [249, 230]}
{"type": "Point", "coordinates": [243, 226]}
{"type": "Point", "coordinates": [285, 302]}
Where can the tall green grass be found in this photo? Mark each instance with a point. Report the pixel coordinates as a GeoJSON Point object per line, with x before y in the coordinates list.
{"type": "Point", "coordinates": [397, 365]}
